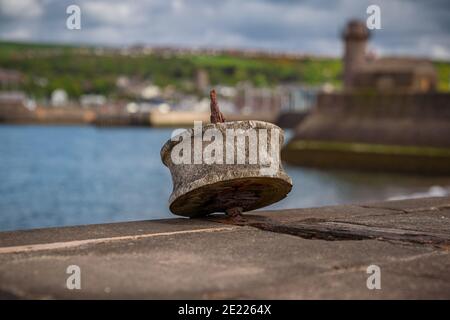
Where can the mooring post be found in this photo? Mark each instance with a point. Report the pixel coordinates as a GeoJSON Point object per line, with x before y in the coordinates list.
{"type": "Point", "coordinates": [222, 186]}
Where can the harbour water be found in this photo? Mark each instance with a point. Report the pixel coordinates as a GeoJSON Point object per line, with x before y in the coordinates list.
{"type": "Point", "coordinates": [71, 175]}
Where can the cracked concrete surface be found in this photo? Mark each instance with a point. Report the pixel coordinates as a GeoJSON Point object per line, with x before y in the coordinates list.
{"type": "Point", "coordinates": [314, 253]}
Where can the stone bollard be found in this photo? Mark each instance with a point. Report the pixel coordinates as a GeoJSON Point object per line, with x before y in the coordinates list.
{"type": "Point", "coordinates": [226, 167]}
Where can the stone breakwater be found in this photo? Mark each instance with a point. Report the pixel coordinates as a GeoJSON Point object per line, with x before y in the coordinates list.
{"type": "Point", "coordinates": [385, 132]}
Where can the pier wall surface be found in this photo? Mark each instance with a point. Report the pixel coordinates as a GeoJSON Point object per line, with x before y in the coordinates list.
{"type": "Point", "coordinates": [310, 253]}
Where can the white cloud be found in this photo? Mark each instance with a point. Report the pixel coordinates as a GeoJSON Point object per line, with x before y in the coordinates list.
{"type": "Point", "coordinates": [439, 52]}
{"type": "Point", "coordinates": [21, 8]}
{"type": "Point", "coordinates": [308, 26]}
{"type": "Point", "coordinates": [111, 13]}
{"type": "Point", "coordinates": [177, 5]}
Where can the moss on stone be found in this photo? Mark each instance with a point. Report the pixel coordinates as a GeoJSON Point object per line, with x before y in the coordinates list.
{"type": "Point", "coordinates": [357, 147]}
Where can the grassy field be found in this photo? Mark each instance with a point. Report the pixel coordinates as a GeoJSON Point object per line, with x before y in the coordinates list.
{"type": "Point", "coordinates": [81, 70]}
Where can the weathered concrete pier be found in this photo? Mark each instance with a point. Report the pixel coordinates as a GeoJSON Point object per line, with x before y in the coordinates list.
{"type": "Point", "coordinates": [288, 254]}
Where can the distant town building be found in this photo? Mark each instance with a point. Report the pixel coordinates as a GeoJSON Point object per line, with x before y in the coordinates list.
{"type": "Point", "coordinates": [201, 80]}
{"type": "Point", "coordinates": [150, 91]}
{"type": "Point", "coordinates": [122, 82]}
{"type": "Point", "coordinates": [385, 74]}
{"type": "Point", "coordinates": [285, 98]}
{"type": "Point", "coordinates": [138, 88]}
{"type": "Point", "coordinates": [299, 98]}
{"type": "Point", "coordinates": [12, 98]}
{"type": "Point", "coordinates": [92, 100]}
{"type": "Point", "coordinates": [250, 99]}
{"type": "Point", "coordinates": [59, 98]}
{"type": "Point", "coordinates": [14, 104]}
{"type": "Point", "coordinates": [226, 91]}
{"type": "Point", "coordinates": [10, 79]}
{"type": "Point", "coordinates": [148, 105]}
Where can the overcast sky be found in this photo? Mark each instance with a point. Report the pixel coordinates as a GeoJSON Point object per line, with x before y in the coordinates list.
{"type": "Point", "coordinates": [414, 27]}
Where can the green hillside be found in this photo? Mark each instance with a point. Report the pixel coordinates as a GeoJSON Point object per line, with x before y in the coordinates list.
{"type": "Point", "coordinates": [84, 70]}
{"type": "Point", "coordinates": [79, 70]}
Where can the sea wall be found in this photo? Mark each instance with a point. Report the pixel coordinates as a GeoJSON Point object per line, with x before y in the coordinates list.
{"type": "Point", "coordinates": [399, 119]}
{"type": "Point", "coordinates": [375, 131]}
{"type": "Point", "coordinates": [18, 114]}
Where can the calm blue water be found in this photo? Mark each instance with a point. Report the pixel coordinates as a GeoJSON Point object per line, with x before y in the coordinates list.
{"type": "Point", "coordinates": [55, 176]}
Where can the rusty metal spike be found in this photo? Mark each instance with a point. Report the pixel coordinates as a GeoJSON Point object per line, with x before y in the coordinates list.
{"type": "Point", "coordinates": [216, 115]}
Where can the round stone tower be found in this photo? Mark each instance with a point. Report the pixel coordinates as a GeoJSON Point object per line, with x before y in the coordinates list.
{"type": "Point", "coordinates": [355, 37]}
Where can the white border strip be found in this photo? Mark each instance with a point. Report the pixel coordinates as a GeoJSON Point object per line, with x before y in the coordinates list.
{"type": "Point", "coordinates": [77, 243]}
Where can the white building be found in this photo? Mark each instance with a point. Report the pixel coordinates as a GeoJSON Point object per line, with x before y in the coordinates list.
{"type": "Point", "coordinates": [59, 98]}
{"type": "Point", "coordinates": [92, 100]}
